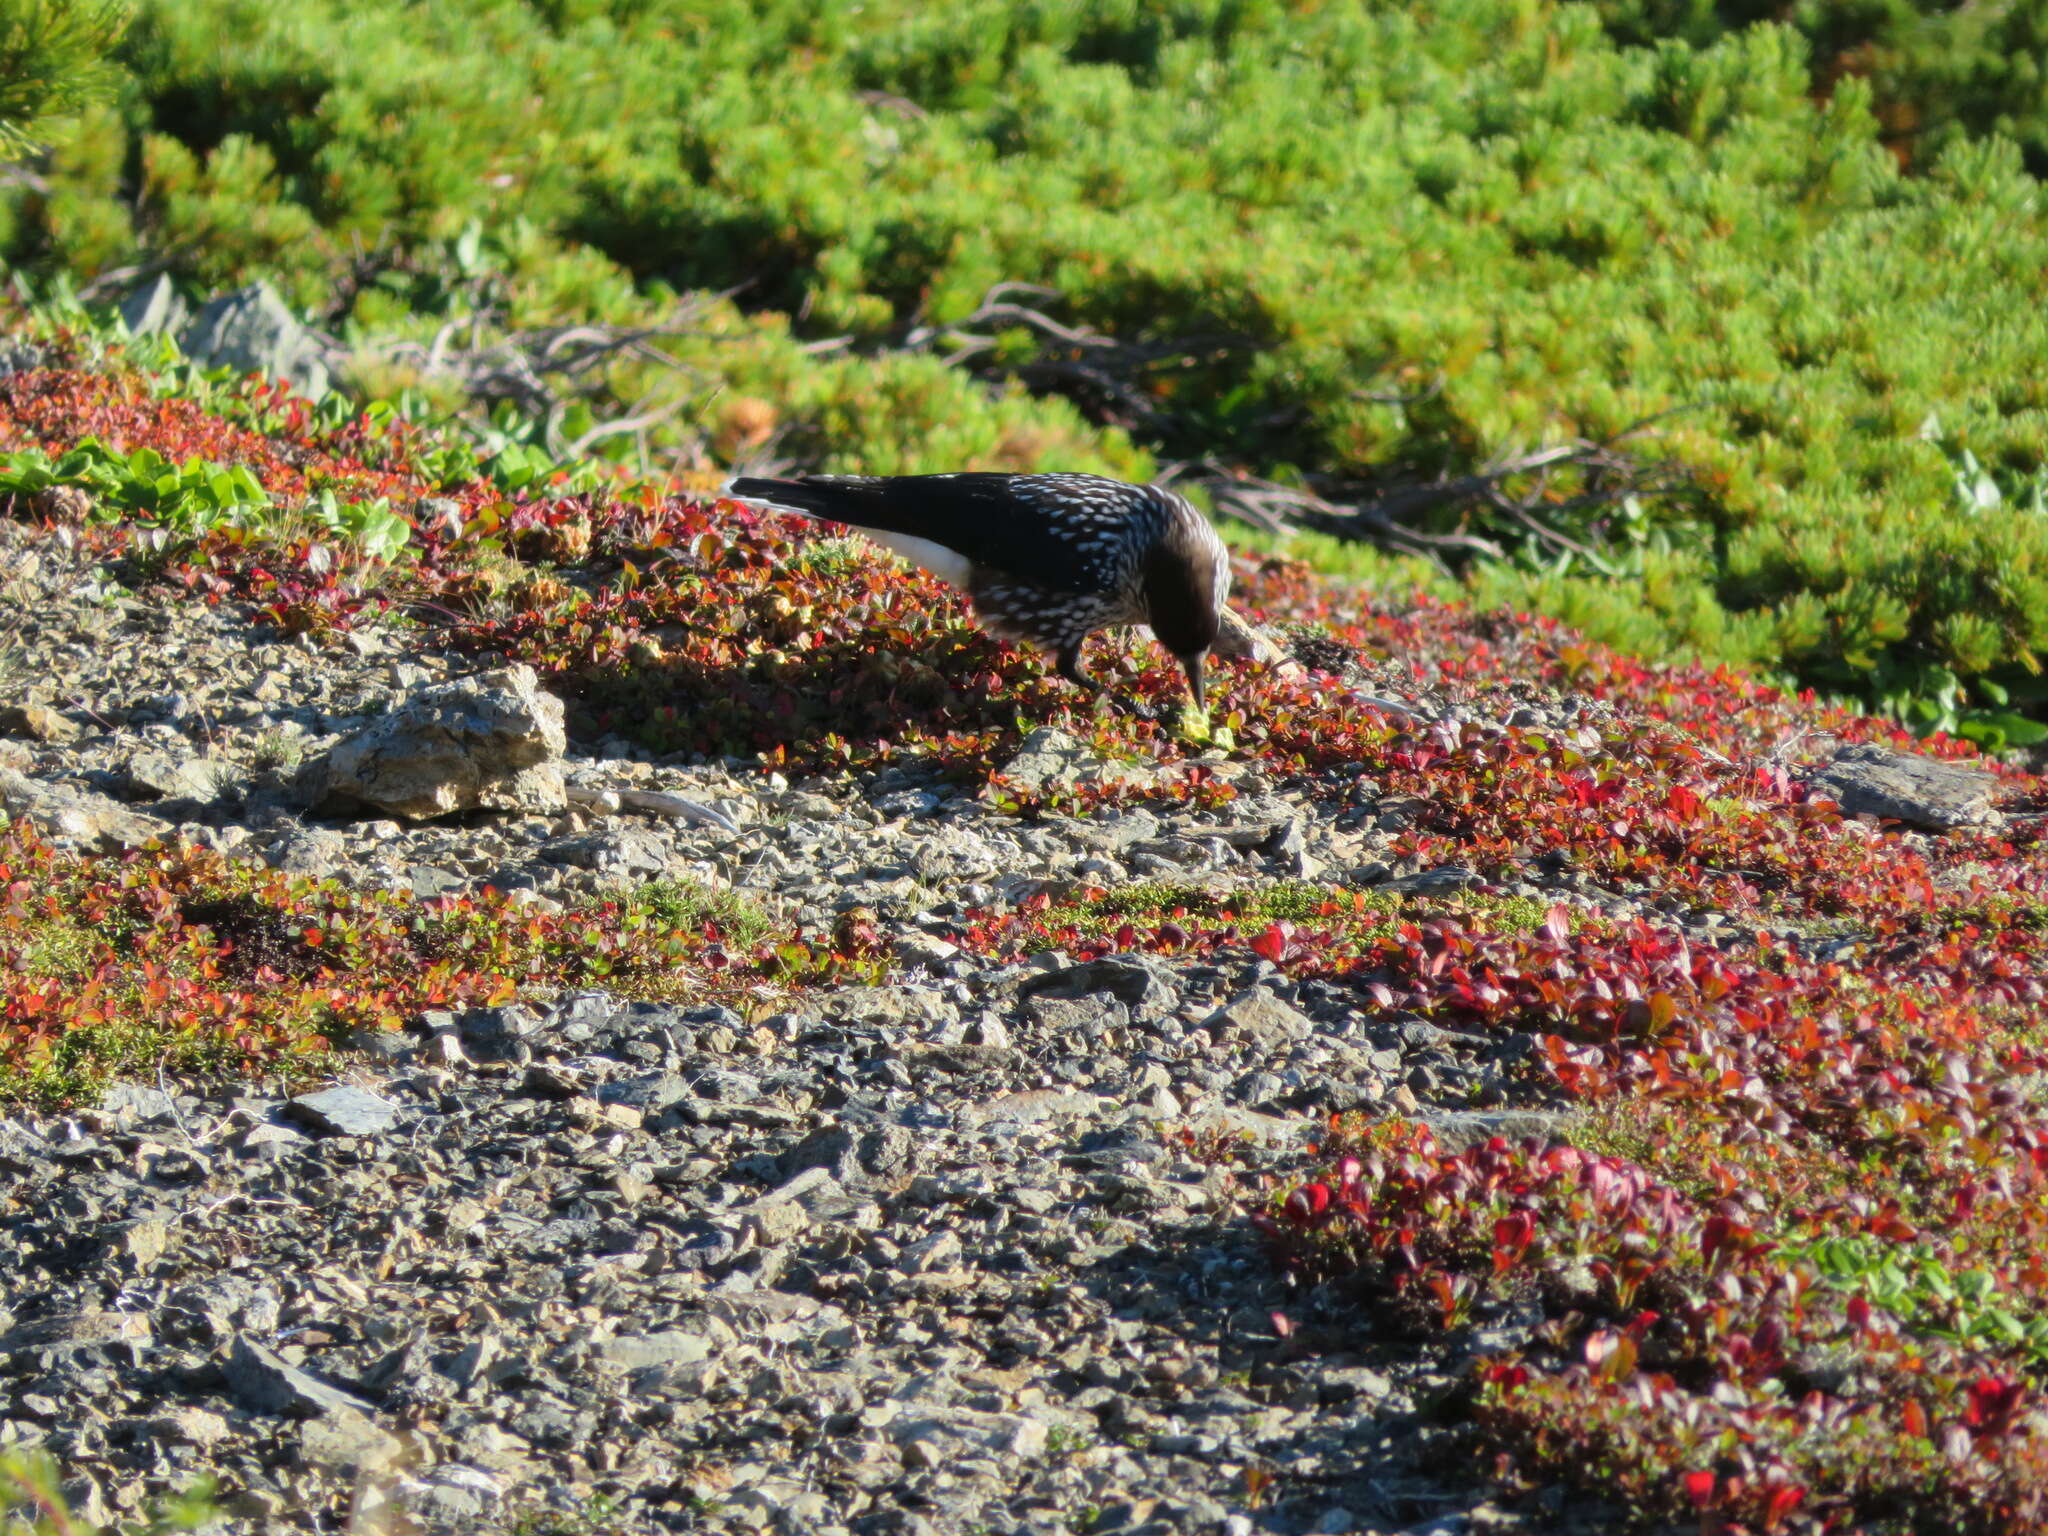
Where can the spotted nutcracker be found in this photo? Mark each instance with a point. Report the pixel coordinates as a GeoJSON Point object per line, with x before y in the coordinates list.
{"type": "Point", "coordinates": [1047, 559]}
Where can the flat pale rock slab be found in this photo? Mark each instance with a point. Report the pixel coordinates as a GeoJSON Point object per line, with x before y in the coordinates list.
{"type": "Point", "coordinates": [65, 1333]}
{"type": "Point", "coordinates": [344, 1111]}
{"type": "Point", "coordinates": [1141, 984]}
{"type": "Point", "coordinates": [1235, 1120]}
{"type": "Point", "coordinates": [264, 1382]}
{"type": "Point", "coordinates": [161, 776]}
{"type": "Point", "coordinates": [1258, 1016]}
{"type": "Point", "coordinates": [1441, 881]}
{"type": "Point", "coordinates": [38, 722]}
{"type": "Point", "coordinates": [635, 1352]}
{"type": "Point", "coordinates": [1033, 1105]}
{"type": "Point", "coordinates": [348, 1441]}
{"type": "Point", "coordinates": [1459, 1130]}
{"type": "Point", "coordinates": [932, 1435]}
{"type": "Point", "coordinates": [1051, 756]}
{"type": "Point", "coordinates": [1869, 780]}
{"type": "Point", "coordinates": [138, 1104]}
{"type": "Point", "coordinates": [774, 1316]}
{"type": "Point", "coordinates": [74, 818]}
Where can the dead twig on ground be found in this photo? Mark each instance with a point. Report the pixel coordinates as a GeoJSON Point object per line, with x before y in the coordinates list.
{"type": "Point", "coordinates": [1607, 477]}
{"type": "Point", "coordinates": [1098, 370]}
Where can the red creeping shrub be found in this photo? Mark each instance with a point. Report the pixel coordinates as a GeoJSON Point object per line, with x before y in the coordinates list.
{"type": "Point", "coordinates": [180, 956]}
{"type": "Point", "coordinates": [1681, 1359]}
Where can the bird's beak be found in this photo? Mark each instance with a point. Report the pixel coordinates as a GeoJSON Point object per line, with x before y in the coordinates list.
{"type": "Point", "coordinates": [1192, 665]}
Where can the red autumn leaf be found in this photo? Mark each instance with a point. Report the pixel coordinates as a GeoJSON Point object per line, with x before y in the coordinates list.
{"type": "Point", "coordinates": [1782, 1502]}
{"type": "Point", "coordinates": [1992, 1403]}
{"type": "Point", "coordinates": [1273, 943]}
{"type": "Point", "coordinates": [1307, 1203]}
{"type": "Point", "coordinates": [1699, 1487]}
{"type": "Point", "coordinates": [1508, 1375]}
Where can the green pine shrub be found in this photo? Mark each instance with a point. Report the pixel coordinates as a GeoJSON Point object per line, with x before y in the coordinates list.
{"type": "Point", "coordinates": [1370, 245]}
{"type": "Point", "coordinates": [52, 63]}
{"type": "Point", "coordinates": [1941, 71]}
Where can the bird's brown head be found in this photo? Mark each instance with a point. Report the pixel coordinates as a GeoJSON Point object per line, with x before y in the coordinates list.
{"type": "Point", "coordinates": [1187, 578]}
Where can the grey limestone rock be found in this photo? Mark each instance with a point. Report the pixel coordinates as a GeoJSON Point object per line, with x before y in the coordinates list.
{"type": "Point", "coordinates": [264, 1382]}
{"type": "Point", "coordinates": [252, 329]}
{"type": "Point", "coordinates": [1051, 756]}
{"type": "Point", "coordinates": [76, 818]}
{"type": "Point", "coordinates": [344, 1111]}
{"type": "Point", "coordinates": [1870, 780]}
{"type": "Point", "coordinates": [491, 742]}
{"type": "Point", "coordinates": [154, 307]}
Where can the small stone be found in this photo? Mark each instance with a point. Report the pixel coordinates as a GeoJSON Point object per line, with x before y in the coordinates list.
{"type": "Point", "coordinates": [638, 1351]}
{"type": "Point", "coordinates": [273, 1136]}
{"type": "Point", "coordinates": [38, 722]}
{"type": "Point", "coordinates": [926, 951]}
{"type": "Point", "coordinates": [1051, 756]}
{"type": "Point", "coordinates": [347, 1441]}
{"type": "Point", "coordinates": [134, 1104]}
{"type": "Point", "coordinates": [1035, 1104]}
{"type": "Point", "coordinates": [139, 1243]}
{"type": "Point", "coordinates": [154, 306]}
{"type": "Point", "coordinates": [253, 330]}
{"type": "Point", "coordinates": [345, 1111]}
{"type": "Point", "coordinates": [263, 1382]}
{"type": "Point", "coordinates": [649, 1092]}
{"type": "Point", "coordinates": [1441, 881]}
{"type": "Point", "coordinates": [1457, 1130]}
{"type": "Point", "coordinates": [1260, 1018]}
{"type": "Point", "coordinates": [157, 776]}
{"type": "Point", "coordinates": [1140, 983]}
{"type": "Point", "coordinates": [775, 1224]}
{"type": "Point", "coordinates": [498, 1034]}
{"type": "Point", "coordinates": [938, 1251]}
{"type": "Point", "coordinates": [64, 1333]}
{"type": "Point", "coordinates": [74, 818]}
{"type": "Point", "coordinates": [189, 1426]}
{"type": "Point", "coordinates": [931, 1436]}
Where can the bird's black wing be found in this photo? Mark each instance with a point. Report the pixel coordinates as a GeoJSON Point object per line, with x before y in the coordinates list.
{"type": "Point", "coordinates": [1066, 533]}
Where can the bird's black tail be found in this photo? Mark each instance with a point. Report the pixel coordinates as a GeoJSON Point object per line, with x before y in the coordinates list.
{"type": "Point", "coordinates": [834, 500]}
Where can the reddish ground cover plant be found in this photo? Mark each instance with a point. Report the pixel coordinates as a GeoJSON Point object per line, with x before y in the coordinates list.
{"type": "Point", "coordinates": [1787, 1274]}
{"type": "Point", "coordinates": [1791, 1279]}
{"type": "Point", "coordinates": [186, 959]}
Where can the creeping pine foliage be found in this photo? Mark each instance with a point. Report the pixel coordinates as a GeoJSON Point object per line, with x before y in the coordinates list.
{"type": "Point", "coordinates": [1511, 223]}
{"type": "Point", "coordinates": [1788, 1269]}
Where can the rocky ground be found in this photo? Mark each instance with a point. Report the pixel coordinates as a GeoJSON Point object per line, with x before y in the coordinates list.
{"type": "Point", "coordinates": [964, 1251]}
{"type": "Point", "coordinates": [927, 1256]}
